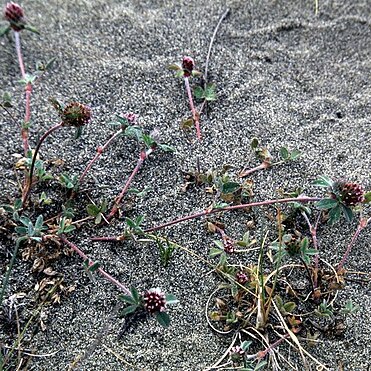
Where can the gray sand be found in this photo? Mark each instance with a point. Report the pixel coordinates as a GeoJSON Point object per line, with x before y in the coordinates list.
{"type": "Point", "coordinates": [283, 75]}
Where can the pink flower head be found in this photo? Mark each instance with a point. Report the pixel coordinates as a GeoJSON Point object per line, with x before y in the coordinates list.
{"type": "Point", "coordinates": [14, 14]}
{"type": "Point", "coordinates": [154, 301]}
{"type": "Point", "coordinates": [188, 65]}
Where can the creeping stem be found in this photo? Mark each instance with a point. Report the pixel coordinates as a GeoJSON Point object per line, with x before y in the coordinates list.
{"type": "Point", "coordinates": [195, 114]}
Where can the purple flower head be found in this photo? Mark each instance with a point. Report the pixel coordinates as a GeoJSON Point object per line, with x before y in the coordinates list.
{"type": "Point", "coordinates": [154, 301]}
{"type": "Point", "coordinates": [241, 278]}
{"type": "Point", "coordinates": [351, 194]}
{"type": "Point", "coordinates": [14, 14]}
{"type": "Point", "coordinates": [131, 117]}
{"type": "Point", "coordinates": [188, 65]}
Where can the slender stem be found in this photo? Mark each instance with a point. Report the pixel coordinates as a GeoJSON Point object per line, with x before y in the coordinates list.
{"type": "Point", "coordinates": [195, 114]}
{"type": "Point", "coordinates": [100, 150]}
{"type": "Point", "coordinates": [214, 211]}
{"type": "Point", "coordinates": [90, 262]}
{"type": "Point", "coordinates": [313, 232]}
{"type": "Point", "coordinates": [263, 353]}
{"type": "Point", "coordinates": [212, 42]}
{"type": "Point", "coordinates": [362, 224]}
{"type": "Point", "coordinates": [142, 157]}
{"type": "Point", "coordinates": [7, 274]}
{"type": "Point", "coordinates": [29, 182]}
{"type": "Point", "coordinates": [263, 165]}
{"type": "Point", "coordinates": [24, 129]}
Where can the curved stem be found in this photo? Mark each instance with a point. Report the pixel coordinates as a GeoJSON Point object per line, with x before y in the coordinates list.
{"type": "Point", "coordinates": [37, 149]}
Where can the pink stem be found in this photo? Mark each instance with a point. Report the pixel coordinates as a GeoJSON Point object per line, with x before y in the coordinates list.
{"type": "Point", "coordinates": [194, 113]}
{"type": "Point", "coordinates": [90, 262]}
{"type": "Point", "coordinates": [217, 210]}
{"type": "Point", "coordinates": [37, 149]}
{"type": "Point", "coordinates": [24, 130]}
{"type": "Point", "coordinates": [263, 165]}
{"type": "Point", "coordinates": [362, 224]}
{"type": "Point", "coordinates": [142, 157]}
{"type": "Point", "coordinates": [100, 150]}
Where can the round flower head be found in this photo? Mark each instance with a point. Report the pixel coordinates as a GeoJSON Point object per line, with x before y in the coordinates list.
{"type": "Point", "coordinates": [154, 301]}
{"type": "Point", "coordinates": [241, 278]}
{"type": "Point", "coordinates": [75, 114]}
{"type": "Point", "coordinates": [228, 245]}
{"type": "Point", "coordinates": [188, 65]}
{"type": "Point", "coordinates": [14, 14]}
{"type": "Point", "coordinates": [236, 353]}
{"type": "Point", "coordinates": [350, 194]}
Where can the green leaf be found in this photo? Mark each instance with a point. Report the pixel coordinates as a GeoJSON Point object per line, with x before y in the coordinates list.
{"type": "Point", "coordinates": [219, 244]}
{"type": "Point", "coordinates": [284, 153]}
{"type": "Point", "coordinates": [175, 67]}
{"type": "Point", "coordinates": [31, 28]}
{"type": "Point", "coordinates": [327, 203]}
{"type": "Point", "coordinates": [367, 197]}
{"type": "Point", "coordinates": [245, 345]}
{"type": "Point", "coordinates": [166, 148]}
{"type": "Point", "coordinates": [348, 213]}
{"type": "Point", "coordinates": [127, 299]}
{"type": "Point", "coordinates": [171, 299]}
{"type": "Point", "coordinates": [295, 154]}
{"type": "Point", "coordinates": [334, 214]}
{"type": "Point", "coordinates": [254, 143]}
{"type": "Point", "coordinates": [230, 187]}
{"type": "Point", "coordinates": [209, 92]}
{"type": "Point", "coordinates": [129, 309]}
{"type": "Point", "coordinates": [163, 319]}
{"type": "Point", "coordinates": [69, 229]}
{"type": "Point", "coordinates": [215, 252]}
{"type": "Point", "coordinates": [323, 181]}
{"type": "Point", "coordinates": [39, 222]}
{"type": "Point", "coordinates": [94, 267]}
{"type": "Point", "coordinates": [289, 306]}
{"type": "Point", "coordinates": [4, 30]}
{"type": "Point", "coordinates": [199, 93]}
{"type": "Point", "coordinates": [92, 210]}
{"type": "Point", "coordinates": [135, 294]}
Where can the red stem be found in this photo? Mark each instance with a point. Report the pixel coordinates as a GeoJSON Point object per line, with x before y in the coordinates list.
{"type": "Point", "coordinates": [29, 182]}
{"type": "Point", "coordinates": [194, 113]}
{"type": "Point", "coordinates": [142, 157]}
{"type": "Point", "coordinates": [90, 262]}
{"type": "Point", "coordinates": [214, 211]}
{"type": "Point", "coordinates": [362, 224]}
{"type": "Point", "coordinates": [100, 150]}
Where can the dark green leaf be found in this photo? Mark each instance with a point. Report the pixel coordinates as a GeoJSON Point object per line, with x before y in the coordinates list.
{"type": "Point", "coordinates": [327, 203]}
{"type": "Point", "coordinates": [163, 319]}
{"type": "Point", "coordinates": [69, 229]}
{"type": "Point", "coordinates": [127, 299]}
{"type": "Point", "coordinates": [284, 153]}
{"type": "Point", "coordinates": [289, 306]}
{"type": "Point", "coordinates": [39, 222]}
{"type": "Point", "coordinates": [348, 213]}
{"type": "Point", "coordinates": [94, 267]}
{"type": "Point", "coordinates": [129, 309]}
{"type": "Point", "coordinates": [254, 143]}
{"type": "Point", "coordinates": [230, 187]}
{"type": "Point", "coordinates": [245, 345]}
{"type": "Point", "coordinates": [334, 214]}
{"type": "Point", "coordinates": [135, 294]}
{"type": "Point", "coordinates": [92, 210]}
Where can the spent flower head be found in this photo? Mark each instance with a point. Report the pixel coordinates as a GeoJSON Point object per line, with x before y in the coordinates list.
{"type": "Point", "coordinates": [75, 114]}
{"type": "Point", "coordinates": [14, 14]}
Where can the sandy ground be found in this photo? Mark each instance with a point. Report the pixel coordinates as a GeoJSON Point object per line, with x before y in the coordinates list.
{"type": "Point", "coordinates": [283, 75]}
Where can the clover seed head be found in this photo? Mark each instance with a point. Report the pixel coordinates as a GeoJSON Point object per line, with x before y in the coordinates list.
{"type": "Point", "coordinates": [14, 14]}
{"type": "Point", "coordinates": [188, 65]}
{"type": "Point", "coordinates": [75, 114]}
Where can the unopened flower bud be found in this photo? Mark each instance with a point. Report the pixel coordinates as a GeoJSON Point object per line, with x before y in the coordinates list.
{"type": "Point", "coordinates": [188, 65]}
